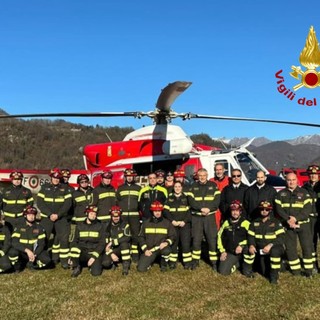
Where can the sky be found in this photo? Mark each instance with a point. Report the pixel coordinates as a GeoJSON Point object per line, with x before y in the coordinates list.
{"type": "Point", "coordinates": [100, 56]}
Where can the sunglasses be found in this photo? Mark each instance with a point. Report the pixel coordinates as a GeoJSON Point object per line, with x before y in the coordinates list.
{"type": "Point", "coordinates": [236, 176]}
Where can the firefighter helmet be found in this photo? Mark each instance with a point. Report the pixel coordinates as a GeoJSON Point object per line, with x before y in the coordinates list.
{"type": "Point", "coordinates": [91, 209]}
{"type": "Point", "coordinates": [313, 168]}
{"type": "Point", "coordinates": [16, 175]}
{"type": "Point", "coordinates": [56, 173]}
{"type": "Point", "coordinates": [236, 205]}
{"type": "Point", "coordinates": [265, 205]}
{"type": "Point", "coordinates": [82, 177]}
{"type": "Point", "coordinates": [115, 211]}
{"type": "Point", "coordinates": [179, 173]}
{"type": "Point", "coordinates": [156, 206]}
{"type": "Point", "coordinates": [130, 173]}
{"type": "Point", "coordinates": [107, 175]}
{"type": "Point", "coordinates": [30, 210]}
{"type": "Point", "coordinates": [66, 173]}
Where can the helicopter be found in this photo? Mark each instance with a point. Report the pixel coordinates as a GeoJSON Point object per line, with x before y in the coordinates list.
{"type": "Point", "coordinates": [159, 146]}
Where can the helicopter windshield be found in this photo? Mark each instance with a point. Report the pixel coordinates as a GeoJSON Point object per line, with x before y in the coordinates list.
{"type": "Point", "coordinates": [248, 166]}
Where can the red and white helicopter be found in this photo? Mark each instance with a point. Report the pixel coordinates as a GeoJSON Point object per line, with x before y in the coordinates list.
{"type": "Point", "coordinates": [158, 146]}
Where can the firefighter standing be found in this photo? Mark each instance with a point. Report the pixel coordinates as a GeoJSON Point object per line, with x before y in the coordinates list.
{"type": "Point", "coordinates": [293, 204]}
{"type": "Point", "coordinates": [28, 243]}
{"type": "Point", "coordinates": [118, 242]}
{"type": "Point", "coordinates": [150, 193]}
{"type": "Point", "coordinates": [14, 199]}
{"type": "Point", "coordinates": [266, 242]}
{"type": "Point", "coordinates": [127, 197]}
{"type": "Point", "coordinates": [88, 245]}
{"type": "Point", "coordinates": [204, 201]}
{"type": "Point", "coordinates": [177, 210]}
{"type": "Point", "coordinates": [54, 201]}
{"type": "Point", "coordinates": [5, 244]}
{"type": "Point", "coordinates": [156, 237]}
{"type": "Point", "coordinates": [232, 242]}
{"type": "Point", "coordinates": [104, 197]}
{"type": "Point", "coordinates": [313, 187]}
{"type": "Point", "coordinates": [82, 198]}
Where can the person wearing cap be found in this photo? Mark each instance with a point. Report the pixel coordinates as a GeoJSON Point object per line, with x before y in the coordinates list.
{"type": "Point", "coordinates": [81, 198]}
{"type": "Point", "coordinates": [28, 243]}
{"type": "Point", "coordinates": [5, 245]}
{"type": "Point", "coordinates": [313, 187]}
{"type": "Point", "coordinates": [88, 245]}
{"type": "Point", "coordinates": [104, 197]}
{"type": "Point", "coordinates": [232, 242]}
{"type": "Point", "coordinates": [66, 174]}
{"type": "Point", "coordinates": [168, 183]}
{"type": "Point", "coordinates": [293, 205]}
{"type": "Point", "coordinates": [127, 197]}
{"type": "Point", "coordinates": [14, 199]}
{"type": "Point", "coordinates": [204, 199]}
{"type": "Point", "coordinates": [266, 242]}
{"type": "Point", "coordinates": [256, 193]}
{"type": "Point", "coordinates": [156, 238]}
{"type": "Point", "coordinates": [150, 193]}
{"type": "Point", "coordinates": [54, 201]}
{"type": "Point", "coordinates": [161, 174]}
{"type": "Point", "coordinates": [118, 242]}
{"type": "Point", "coordinates": [177, 210]}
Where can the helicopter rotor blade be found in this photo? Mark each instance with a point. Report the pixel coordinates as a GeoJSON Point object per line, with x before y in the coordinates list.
{"type": "Point", "coordinates": [169, 94]}
{"type": "Point", "coordinates": [187, 116]}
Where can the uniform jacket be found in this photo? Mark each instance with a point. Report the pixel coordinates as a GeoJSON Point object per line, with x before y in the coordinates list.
{"type": "Point", "coordinates": [314, 192]}
{"type": "Point", "coordinates": [5, 240]}
{"type": "Point", "coordinates": [177, 208]}
{"type": "Point", "coordinates": [127, 197]}
{"type": "Point", "coordinates": [104, 197]}
{"type": "Point", "coordinates": [117, 233]}
{"type": "Point", "coordinates": [81, 199]}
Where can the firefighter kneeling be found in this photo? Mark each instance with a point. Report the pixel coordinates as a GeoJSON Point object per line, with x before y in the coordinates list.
{"type": "Point", "coordinates": [88, 245]}
{"type": "Point", "coordinates": [266, 242]}
{"type": "Point", "coordinates": [118, 242]}
{"type": "Point", "coordinates": [28, 243]}
{"type": "Point", "coordinates": [156, 237]}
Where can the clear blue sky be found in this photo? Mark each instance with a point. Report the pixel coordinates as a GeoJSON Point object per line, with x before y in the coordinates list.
{"type": "Point", "coordinates": [77, 55]}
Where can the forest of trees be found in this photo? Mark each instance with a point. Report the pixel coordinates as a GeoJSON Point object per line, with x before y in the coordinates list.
{"type": "Point", "coordinates": [44, 144]}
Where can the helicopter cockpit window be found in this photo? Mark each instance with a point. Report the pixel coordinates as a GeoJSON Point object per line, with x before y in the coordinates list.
{"type": "Point", "coordinates": [248, 166]}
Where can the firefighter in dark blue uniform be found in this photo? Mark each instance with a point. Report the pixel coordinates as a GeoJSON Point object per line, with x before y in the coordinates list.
{"type": "Point", "coordinates": [5, 244]}
{"type": "Point", "coordinates": [118, 242]}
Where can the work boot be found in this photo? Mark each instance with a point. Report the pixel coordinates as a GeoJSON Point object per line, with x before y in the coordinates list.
{"type": "Point", "coordinates": [163, 265]}
{"type": "Point", "coordinates": [274, 276]}
{"type": "Point", "coordinates": [76, 272]}
{"type": "Point", "coordinates": [125, 268]}
{"type": "Point", "coordinates": [188, 266]}
{"type": "Point", "coordinates": [195, 264]}
{"type": "Point", "coordinates": [214, 267]}
{"type": "Point", "coordinates": [172, 265]}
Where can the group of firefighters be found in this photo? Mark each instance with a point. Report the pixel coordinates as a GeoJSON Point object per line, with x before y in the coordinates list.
{"type": "Point", "coordinates": [220, 220]}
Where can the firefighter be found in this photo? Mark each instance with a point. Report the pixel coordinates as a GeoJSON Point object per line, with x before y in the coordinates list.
{"type": "Point", "coordinates": [313, 187]}
{"type": "Point", "coordinates": [127, 197]}
{"type": "Point", "coordinates": [14, 199]}
{"type": "Point", "coordinates": [160, 177]}
{"type": "Point", "coordinates": [204, 200]}
{"type": "Point", "coordinates": [66, 174]}
{"type": "Point", "coordinates": [54, 201]}
{"type": "Point", "coordinates": [256, 193]}
{"type": "Point", "coordinates": [28, 243]}
{"type": "Point", "coordinates": [180, 175]}
{"type": "Point", "coordinates": [104, 197]}
{"type": "Point", "coordinates": [168, 183]}
{"type": "Point", "coordinates": [82, 198]}
{"type": "Point", "coordinates": [293, 205]}
{"type": "Point", "coordinates": [88, 245]}
{"type": "Point", "coordinates": [118, 242]}
{"type": "Point", "coordinates": [156, 238]}
{"type": "Point", "coordinates": [150, 193]}
{"type": "Point", "coordinates": [5, 244]}
{"type": "Point", "coordinates": [232, 242]}
{"type": "Point", "coordinates": [266, 242]}
{"type": "Point", "coordinates": [177, 210]}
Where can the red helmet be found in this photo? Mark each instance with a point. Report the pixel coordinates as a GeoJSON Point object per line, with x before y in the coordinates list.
{"type": "Point", "coordinates": [82, 177]}
{"type": "Point", "coordinates": [236, 205]}
{"type": "Point", "coordinates": [56, 173]}
{"type": "Point", "coordinates": [115, 211]}
{"type": "Point", "coordinates": [130, 173]}
{"type": "Point", "coordinates": [265, 205]}
{"type": "Point", "coordinates": [107, 175]}
{"type": "Point", "coordinates": [313, 168]}
{"type": "Point", "coordinates": [179, 173]}
{"type": "Point", "coordinates": [30, 210]}
{"type": "Point", "coordinates": [16, 175]}
{"type": "Point", "coordinates": [66, 173]}
{"type": "Point", "coordinates": [156, 206]}
{"type": "Point", "coordinates": [91, 209]}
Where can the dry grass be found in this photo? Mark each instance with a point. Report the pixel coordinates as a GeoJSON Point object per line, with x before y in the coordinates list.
{"type": "Point", "coordinates": [178, 294]}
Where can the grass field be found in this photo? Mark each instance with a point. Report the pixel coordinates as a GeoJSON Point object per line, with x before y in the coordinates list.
{"type": "Point", "coordinates": [177, 294]}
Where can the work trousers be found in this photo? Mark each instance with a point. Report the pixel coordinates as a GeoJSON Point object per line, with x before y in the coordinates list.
{"type": "Point", "coordinates": [315, 232]}
{"type": "Point", "coordinates": [145, 262]}
{"type": "Point", "coordinates": [20, 259]}
{"type": "Point", "coordinates": [122, 252]}
{"type": "Point", "coordinates": [204, 226]}
{"type": "Point", "coordinates": [134, 224]}
{"type": "Point", "coordinates": [5, 264]}
{"type": "Point", "coordinates": [82, 261]}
